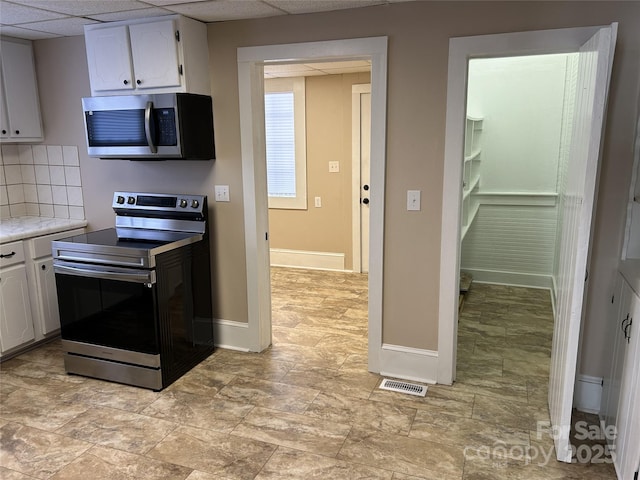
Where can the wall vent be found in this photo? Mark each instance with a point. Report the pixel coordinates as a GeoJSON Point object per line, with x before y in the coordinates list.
{"type": "Point", "coordinates": [403, 387]}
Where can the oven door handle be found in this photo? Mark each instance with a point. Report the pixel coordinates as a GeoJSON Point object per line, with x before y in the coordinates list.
{"type": "Point", "coordinates": [148, 127]}
{"type": "Point", "coordinates": [147, 277]}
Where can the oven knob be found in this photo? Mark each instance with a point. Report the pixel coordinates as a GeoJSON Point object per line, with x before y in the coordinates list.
{"type": "Point", "coordinates": [183, 203]}
{"type": "Point", "coordinates": [120, 199]}
{"type": "Point", "coordinates": [195, 203]}
{"type": "Point", "coordinates": [131, 200]}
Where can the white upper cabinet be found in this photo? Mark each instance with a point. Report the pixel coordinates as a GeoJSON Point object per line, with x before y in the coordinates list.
{"type": "Point", "coordinates": [20, 119]}
{"type": "Point", "coordinates": [157, 55]}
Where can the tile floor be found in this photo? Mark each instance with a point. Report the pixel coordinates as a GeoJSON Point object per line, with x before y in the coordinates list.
{"type": "Point", "coordinates": [306, 408]}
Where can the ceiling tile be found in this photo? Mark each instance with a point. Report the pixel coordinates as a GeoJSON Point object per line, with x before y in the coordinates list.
{"type": "Point", "coordinates": [83, 7]}
{"type": "Point", "coordinates": [309, 6]}
{"type": "Point", "coordinates": [12, 14]}
{"type": "Point", "coordinates": [345, 64]}
{"type": "Point", "coordinates": [67, 26]}
{"type": "Point", "coordinates": [341, 70]}
{"type": "Point", "coordinates": [219, 10]}
{"type": "Point", "coordinates": [18, 32]}
{"type": "Point", "coordinates": [130, 14]}
{"type": "Point", "coordinates": [162, 3]}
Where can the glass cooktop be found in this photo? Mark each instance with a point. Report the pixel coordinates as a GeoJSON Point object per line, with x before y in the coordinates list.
{"type": "Point", "coordinates": [128, 238]}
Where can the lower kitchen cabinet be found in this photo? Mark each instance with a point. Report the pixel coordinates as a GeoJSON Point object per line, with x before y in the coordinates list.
{"type": "Point", "coordinates": [28, 296]}
{"type": "Point", "coordinates": [16, 323]}
{"type": "Point", "coordinates": [621, 393]}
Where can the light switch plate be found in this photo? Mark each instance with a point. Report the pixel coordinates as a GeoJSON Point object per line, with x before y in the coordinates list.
{"type": "Point", "coordinates": [221, 193]}
{"type": "Point", "coordinates": [334, 167]}
{"type": "Point", "coordinates": [413, 200]}
{"type": "Point", "coordinates": [318, 202]}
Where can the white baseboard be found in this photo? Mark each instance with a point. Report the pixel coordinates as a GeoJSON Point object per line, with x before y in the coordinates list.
{"type": "Point", "coordinates": [587, 394]}
{"type": "Point", "coordinates": [409, 363]}
{"type": "Point", "coordinates": [303, 259]}
{"type": "Point", "coordinates": [231, 335]}
{"type": "Point", "coordinates": [531, 280]}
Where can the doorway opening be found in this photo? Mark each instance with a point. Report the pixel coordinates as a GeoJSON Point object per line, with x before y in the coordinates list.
{"type": "Point", "coordinates": [595, 47]}
{"type": "Point", "coordinates": [251, 63]}
{"type": "Point", "coordinates": [318, 292]}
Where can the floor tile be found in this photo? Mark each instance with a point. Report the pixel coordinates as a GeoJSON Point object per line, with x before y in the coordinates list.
{"type": "Point", "coordinates": [292, 430]}
{"type": "Point", "coordinates": [509, 413]}
{"type": "Point", "coordinates": [213, 413]}
{"type": "Point", "coordinates": [402, 454]}
{"type": "Point", "coordinates": [35, 452]}
{"type": "Point", "coordinates": [353, 382]}
{"type": "Point", "coordinates": [113, 428]}
{"type": "Point", "coordinates": [294, 465]}
{"type": "Point", "coordinates": [106, 394]}
{"type": "Point", "coordinates": [217, 453]}
{"type": "Point", "coordinates": [264, 393]}
{"type": "Point", "coordinates": [109, 464]}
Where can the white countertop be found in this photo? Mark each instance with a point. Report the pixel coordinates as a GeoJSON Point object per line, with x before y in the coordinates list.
{"type": "Point", "coordinates": [21, 228]}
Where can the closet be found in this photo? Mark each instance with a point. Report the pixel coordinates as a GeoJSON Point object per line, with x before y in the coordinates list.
{"type": "Point", "coordinates": [516, 137]}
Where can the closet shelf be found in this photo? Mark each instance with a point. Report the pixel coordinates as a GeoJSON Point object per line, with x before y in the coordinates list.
{"type": "Point", "coordinates": [466, 191]}
{"type": "Point", "coordinates": [473, 156]}
{"type": "Point", "coordinates": [472, 217]}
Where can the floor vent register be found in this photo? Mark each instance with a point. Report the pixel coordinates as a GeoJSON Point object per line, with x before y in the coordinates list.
{"type": "Point", "coordinates": [403, 387]}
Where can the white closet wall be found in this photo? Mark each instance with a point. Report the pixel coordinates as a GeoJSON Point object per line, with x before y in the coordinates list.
{"type": "Point", "coordinates": [522, 102]}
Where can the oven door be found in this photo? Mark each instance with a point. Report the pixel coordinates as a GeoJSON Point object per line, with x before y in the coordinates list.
{"type": "Point", "coordinates": [110, 307]}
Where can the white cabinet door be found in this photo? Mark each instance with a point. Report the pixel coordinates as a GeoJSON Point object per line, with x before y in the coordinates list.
{"type": "Point", "coordinates": [627, 442]}
{"type": "Point", "coordinates": [4, 119]}
{"type": "Point", "coordinates": [109, 59]}
{"type": "Point", "coordinates": [21, 91]}
{"type": "Point", "coordinates": [16, 324]}
{"type": "Point", "coordinates": [154, 49]}
{"type": "Point", "coordinates": [47, 295]}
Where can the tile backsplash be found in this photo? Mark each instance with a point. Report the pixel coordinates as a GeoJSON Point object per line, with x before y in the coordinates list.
{"type": "Point", "coordinates": [40, 180]}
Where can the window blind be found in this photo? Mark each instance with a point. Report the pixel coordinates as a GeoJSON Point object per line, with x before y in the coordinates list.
{"type": "Point", "coordinates": [280, 144]}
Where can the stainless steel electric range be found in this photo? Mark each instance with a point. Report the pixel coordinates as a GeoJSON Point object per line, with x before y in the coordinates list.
{"type": "Point", "coordinates": [135, 300]}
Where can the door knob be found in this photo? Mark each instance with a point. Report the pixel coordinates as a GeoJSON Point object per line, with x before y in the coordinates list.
{"type": "Point", "coordinates": [365, 187]}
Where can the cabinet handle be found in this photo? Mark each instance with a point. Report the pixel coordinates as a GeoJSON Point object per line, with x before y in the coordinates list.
{"type": "Point", "coordinates": [43, 267]}
{"type": "Point", "coordinates": [138, 82]}
{"type": "Point", "coordinates": [624, 320]}
{"type": "Point", "coordinates": [7, 255]}
{"type": "Point", "coordinates": [17, 132]}
{"type": "Point", "coordinates": [4, 132]}
{"type": "Point", "coordinates": [628, 335]}
{"type": "Point", "coordinates": [126, 82]}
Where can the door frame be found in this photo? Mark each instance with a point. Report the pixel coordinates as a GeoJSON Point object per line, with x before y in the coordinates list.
{"type": "Point", "coordinates": [356, 171]}
{"type": "Point", "coordinates": [461, 50]}
{"type": "Point", "coordinates": [251, 61]}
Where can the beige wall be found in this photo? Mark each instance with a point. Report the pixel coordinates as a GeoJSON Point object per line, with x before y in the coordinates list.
{"type": "Point", "coordinates": [418, 51]}
{"type": "Point", "coordinates": [328, 120]}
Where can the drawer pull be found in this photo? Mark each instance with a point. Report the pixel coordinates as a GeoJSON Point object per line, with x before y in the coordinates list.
{"type": "Point", "coordinates": [7, 255]}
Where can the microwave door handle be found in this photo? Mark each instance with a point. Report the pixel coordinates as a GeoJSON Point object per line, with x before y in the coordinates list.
{"type": "Point", "coordinates": [147, 127]}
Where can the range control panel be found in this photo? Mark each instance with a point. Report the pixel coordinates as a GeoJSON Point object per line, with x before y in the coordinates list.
{"type": "Point", "coordinates": [159, 202]}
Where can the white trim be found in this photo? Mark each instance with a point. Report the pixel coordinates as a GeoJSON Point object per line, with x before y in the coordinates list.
{"type": "Point", "coordinates": [529, 280]}
{"type": "Point", "coordinates": [517, 198]}
{"type": "Point", "coordinates": [409, 363]}
{"type": "Point", "coordinates": [587, 394]}
{"type": "Point", "coordinates": [251, 62]}
{"type": "Point", "coordinates": [460, 51]}
{"type": "Point", "coordinates": [356, 233]}
{"type": "Point", "coordinates": [232, 335]}
{"type": "Point", "coordinates": [282, 257]}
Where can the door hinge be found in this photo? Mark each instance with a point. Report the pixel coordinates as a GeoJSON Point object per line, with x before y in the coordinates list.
{"type": "Point", "coordinates": [635, 477]}
{"type": "Point", "coordinates": [180, 69]}
{"type": "Point", "coordinates": [177, 35]}
{"type": "Point", "coordinates": [612, 297]}
{"type": "Point", "coordinates": [266, 235]}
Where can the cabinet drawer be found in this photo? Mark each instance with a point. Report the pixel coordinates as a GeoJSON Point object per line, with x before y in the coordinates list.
{"type": "Point", "coordinates": [41, 246]}
{"type": "Point", "coordinates": [11, 253]}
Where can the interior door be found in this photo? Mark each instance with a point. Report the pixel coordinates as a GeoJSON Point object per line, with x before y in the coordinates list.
{"type": "Point", "coordinates": [594, 71]}
{"type": "Point", "coordinates": [361, 173]}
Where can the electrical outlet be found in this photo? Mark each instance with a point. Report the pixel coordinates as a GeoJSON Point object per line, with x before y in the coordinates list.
{"type": "Point", "coordinates": [413, 199]}
{"type": "Point", "coordinates": [334, 167]}
{"type": "Point", "coordinates": [318, 202]}
{"type": "Point", "coordinates": [222, 193]}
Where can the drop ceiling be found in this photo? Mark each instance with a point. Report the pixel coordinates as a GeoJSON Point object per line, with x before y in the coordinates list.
{"type": "Point", "coordinates": [41, 19]}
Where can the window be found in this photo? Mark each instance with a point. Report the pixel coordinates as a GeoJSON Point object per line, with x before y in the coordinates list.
{"type": "Point", "coordinates": [285, 138]}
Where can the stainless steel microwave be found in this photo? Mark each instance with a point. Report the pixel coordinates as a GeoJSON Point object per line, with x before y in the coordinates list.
{"type": "Point", "coordinates": [150, 127]}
